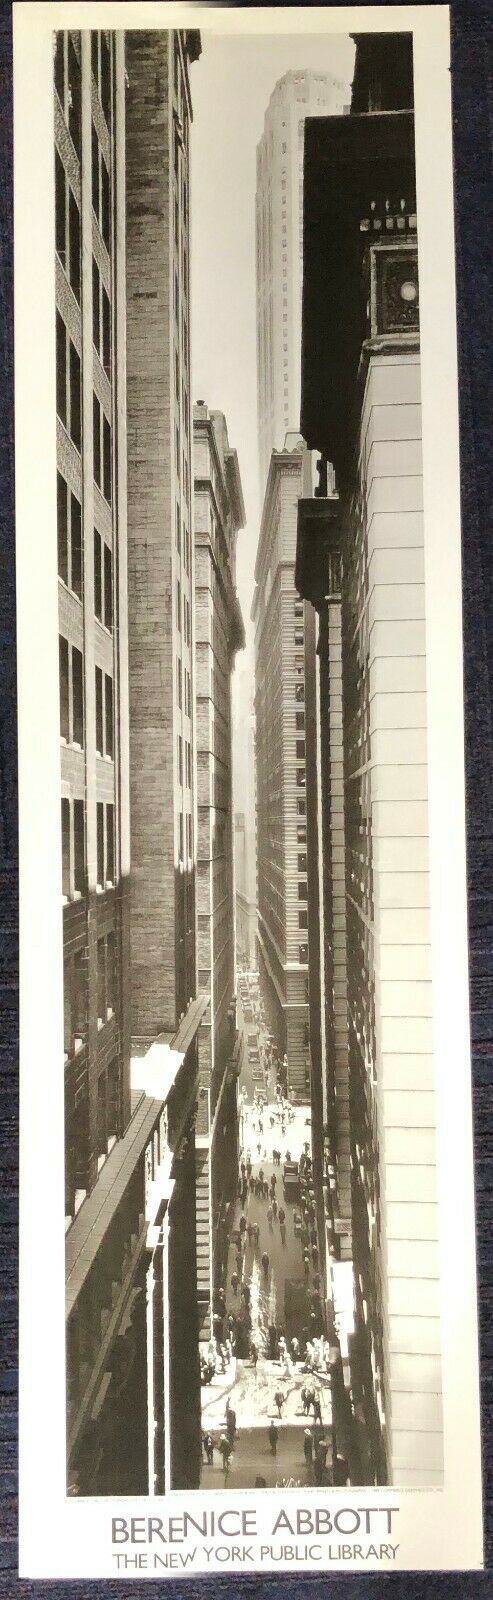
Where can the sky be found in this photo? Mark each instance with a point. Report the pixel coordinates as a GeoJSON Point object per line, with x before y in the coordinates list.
{"type": "Point", "coordinates": [231, 84]}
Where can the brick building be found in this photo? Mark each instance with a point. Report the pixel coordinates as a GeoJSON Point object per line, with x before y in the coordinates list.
{"type": "Point", "coordinates": [219, 633]}
{"type": "Point", "coordinates": [122, 1144]}
{"type": "Point", "coordinates": [279, 621]}
{"type": "Point", "coordinates": [361, 410]}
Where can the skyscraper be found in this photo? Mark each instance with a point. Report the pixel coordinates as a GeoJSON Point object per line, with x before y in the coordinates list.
{"type": "Point", "coordinates": [219, 633]}
{"type": "Point", "coordinates": [279, 220]}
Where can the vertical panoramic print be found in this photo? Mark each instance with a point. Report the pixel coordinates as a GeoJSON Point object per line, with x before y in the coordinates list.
{"type": "Point", "coordinates": [252, 1278]}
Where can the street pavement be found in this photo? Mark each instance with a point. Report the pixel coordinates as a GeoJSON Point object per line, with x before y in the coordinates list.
{"type": "Point", "coordinates": [251, 1392]}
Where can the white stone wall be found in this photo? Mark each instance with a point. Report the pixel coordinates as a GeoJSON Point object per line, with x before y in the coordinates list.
{"type": "Point", "coordinates": [408, 1263]}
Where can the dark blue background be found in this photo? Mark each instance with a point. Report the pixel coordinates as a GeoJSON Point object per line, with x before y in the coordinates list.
{"type": "Point", "coordinates": [472, 92]}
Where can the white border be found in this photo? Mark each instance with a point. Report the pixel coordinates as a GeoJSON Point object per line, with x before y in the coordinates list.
{"type": "Point", "coordinates": [62, 1538]}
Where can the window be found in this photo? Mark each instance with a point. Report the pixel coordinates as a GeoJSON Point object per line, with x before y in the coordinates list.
{"type": "Point", "coordinates": [108, 708]}
{"type": "Point", "coordinates": [60, 67]}
{"type": "Point", "coordinates": [74, 245]}
{"type": "Point", "coordinates": [75, 416]}
{"type": "Point", "coordinates": [65, 819]}
{"type": "Point", "coordinates": [77, 698]}
{"type": "Point", "coordinates": [113, 1101]}
{"type": "Point", "coordinates": [298, 636]}
{"type": "Point", "coordinates": [79, 1008]}
{"type": "Point", "coordinates": [106, 333]}
{"type": "Point", "coordinates": [100, 844]}
{"type": "Point", "coordinates": [301, 808]}
{"type": "Point", "coordinates": [300, 720]}
{"type": "Point", "coordinates": [101, 982]}
{"type": "Point", "coordinates": [62, 526]}
{"type": "Point", "coordinates": [180, 761]}
{"type": "Point", "coordinates": [178, 682]}
{"type": "Point", "coordinates": [108, 587]}
{"type": "Point", "coordinates": [301, 836]}
{"type": "Point", "coordinates": [98, 601]}
{"type": "Point", "coordinates": [178, 605]}
{"type": "Point", "coordinates": [95, 37]}
{"type": "Point", "coordinates": [105, 203]}
{"type": "Point", "coordinates": [79, 847]}
{"type": "Point", "coordinates": [60, 208]}
{"type": "Point", "coordinates": [68, 1037]}
{"type": "Point", "coordinates": [300, 749]}
{"type": "Point", "coordinates": [300, 777]}
{"type": "Point", "coordinates": [64, 688]}
{"type": "Point", "coordinates": [110, 845]}
{"type": "Point", "coordinates": [74, 98]}
{"type": "Point", "coordinates": [61, 369]}
{"type": "Point", "coordinates": [95, 171]}
{"type": "Point", "coordinates": [298, 609]}
{"type": "Point", "coordinates": [105, 78]}
{"type": "Point", "coordinates": [299, 692]}
{"type": "Point", "coordinates": [99, 711]}
{"type": "Point", "coordinates": [106, 460]}
{"type": "Point", "coordinates": [303, 954]}
{"type": "Point", "coordinates": [76, 546]}
{"type": "Point", "coordinates": [110, 974]}
{"type": "Point", "coordinates": [303, 919]}
{"type": "Point", "coordinates": [178, 528]}
{"type": "Point", "coordinates": [96, 428]}
{"type": "Point", "coordinates": [96, 294]}
{"type": "Point", "coordinates": [302, 867]}
{"type": "Point", "coordinates": [302, 887]}
{"type": "Point", "coordinates": [180, 821]}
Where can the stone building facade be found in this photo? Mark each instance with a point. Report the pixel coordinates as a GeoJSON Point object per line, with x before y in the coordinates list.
{"type": "Point", "coordinates": [218, 632]}
{"type": "Point", "coordinates": [279, 621]}
{"type": "Point", "coordinates": [361, 409]}
{"type": "Point", "coordinates": [128, 1126]}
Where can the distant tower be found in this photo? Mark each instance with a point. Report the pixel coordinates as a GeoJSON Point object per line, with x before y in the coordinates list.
{"type": "Point", "coordinates": [279, 222]}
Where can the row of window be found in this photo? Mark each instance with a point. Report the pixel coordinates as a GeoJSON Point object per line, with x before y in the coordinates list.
{"type": "Point", "coordinates": [101, 449]}
{"type": "Point", "coordinates": [187, 614]}
{"type": "Point", "coordinates": [73, 847]}
{"type": "Point", "coordinates": [184, 688]}
{"type": "Point", "coordinates": [101, 319]}
{"type": "Point", "coordinates": [104, 714]}
{"type": "Point", "coordinates": [185, 836]}
{"type": "Point", "coordinates": [69, 534]}
{"type": "Point", "coordinates": [106, 978]}
{"type": "Point", "coordinates": [184, 750]}
{"type": "Point", "coordinates": [100, 180]}
{"type": "Point", "coordinates": [186, 539]}
{"type": "Point", "coordinates": [71, 693]}
{"type": "Point", "coordinates": [101, 70]}
{"type": "Point", "coordinates": [68, 86]}
{"type": "Point", "coordinates": [68, 389]}
{"type": "Point", "coordinates": [67, 227]}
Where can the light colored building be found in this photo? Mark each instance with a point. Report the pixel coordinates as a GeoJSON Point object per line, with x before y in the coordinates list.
{"type": "Point", "coordinates": [219, 514]}
{"type": "Point", "coordinates": [245, 817]}
{"type": "Point", "coordinates": [279, 621]}
{"type": "Point", "coordinates": [279, 249]}
{"type": "Point", "coordinates": [362, 410]}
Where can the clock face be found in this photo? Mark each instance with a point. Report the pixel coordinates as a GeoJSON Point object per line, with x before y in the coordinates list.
{"type": "Point", "coordinates": [409, 291]}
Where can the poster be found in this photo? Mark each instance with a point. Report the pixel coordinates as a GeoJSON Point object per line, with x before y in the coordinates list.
{"type": "Point", "coordinates": [248, 1337]}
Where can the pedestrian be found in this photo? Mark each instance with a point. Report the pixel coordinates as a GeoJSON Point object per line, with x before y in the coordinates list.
{"type": "Point", "coordinates": [248, 1167]}
{"type": "Point", "coordinates": [246, 1293]}
{"type": "Point", "coordinates": [208, 1443]}
{"type": "Point", "coordinates": [249, 1231]}
{"type": "Point", "coordinates": [261, 1176]}
{"type": "Point", "coordinates": [256, 1235]}
{"type": "Point", "coordinates": [273, 1183]}
{"type": "Point", "coordinates": [272, 1332]}
{"type": "Point", "coordinates": [306, 1265]}
{"type": "Point", "coordinates": [273, 1438]}
{"type": "Point", "coordinates": [265, 1189]}
{"type": "Point", "coordinates": [274, 1207]}
{"type": "Point", "coordinates": [308, 1447]}
{"type": "Point", "coordinates": [243, 1224]}
{"type": "Point", "coordinates": [244, 1192]}
{"type": "Point", "coordinates": [254, 1354]}
{"type": "Point", "coordinates": [242, 1168]}
{"type": "Point", "coordinates": [282, 1215]}
{"type": "Point", "coordinates": [305, 1400]}
{"type": "Point", "coordinates": [225, 1452]}
{"type": "Point", "coordinates": [230, 1422]}
{"type": "Point", "coordinates": [317, 1409]}
{"type": "Point", "coordinates": [314, 1255]}
{"type": "Point", "coordinates": [313, 1236]}
{"type": "Point", "coordinates": [269, 1217]}
{"type": "Point", "coordinates": [295, 1347]}
{"type": "Point", "coordinates": [265, 1264]}
{"type": "Point", "coordinates": [279, 1400]}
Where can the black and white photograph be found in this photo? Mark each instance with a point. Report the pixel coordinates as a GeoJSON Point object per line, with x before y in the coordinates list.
{"type": "Point", "coordinates": [243, 801]}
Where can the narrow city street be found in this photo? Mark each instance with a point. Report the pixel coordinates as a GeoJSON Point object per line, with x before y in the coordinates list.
{"type": "Point", "coordinates": [270, 1296]}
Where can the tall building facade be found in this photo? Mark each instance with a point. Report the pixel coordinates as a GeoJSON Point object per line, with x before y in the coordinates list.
{"type": "Point", "coordinates": [218, 517]}
{"type": "Point", "coordinates": [130, 1071]}
{"type": "Point", "coordinates": [361, 409]}
{"type": "Point", "coordinates": [245, 819]}
{"type": "Point", "coordinates": [279, 622]}
{"type": "Point", "coordinates": [279, 220]}
{"type": "Point", "coordinates": [166, 1010]}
